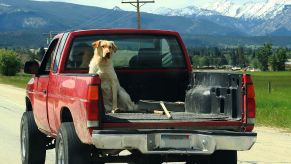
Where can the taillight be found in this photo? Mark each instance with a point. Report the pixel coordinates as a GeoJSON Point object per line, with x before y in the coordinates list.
{"type": "Point", "coordinates": [92, 106]}
{"type": "Point", "coordinates": [249, 103]}
{"type": "Point", "coordinates": [93, 92]}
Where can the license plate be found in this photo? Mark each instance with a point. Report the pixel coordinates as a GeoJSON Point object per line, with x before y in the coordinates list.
{"type": "Point", "coordinates": [175, 141]}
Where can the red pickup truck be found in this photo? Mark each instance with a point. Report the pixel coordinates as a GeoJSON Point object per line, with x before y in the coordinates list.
{"type": "Point", "coordinates": [212, 114]}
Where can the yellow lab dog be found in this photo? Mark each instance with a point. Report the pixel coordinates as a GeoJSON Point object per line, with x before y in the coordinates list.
{"type": "Point", "coordinates": [114, 96]}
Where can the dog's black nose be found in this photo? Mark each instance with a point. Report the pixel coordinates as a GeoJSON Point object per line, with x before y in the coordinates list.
{"type": "Point", "coordinates": [107, 55]}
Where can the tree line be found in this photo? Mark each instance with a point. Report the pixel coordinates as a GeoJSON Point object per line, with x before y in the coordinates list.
{"type": "Point", "coordinates": [265, 58]}
{"type": "Point", "coordinates": [12, 60]}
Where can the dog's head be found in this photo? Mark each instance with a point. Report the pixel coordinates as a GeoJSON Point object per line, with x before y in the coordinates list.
{"type": "Point", "coordinates": [105, 48]}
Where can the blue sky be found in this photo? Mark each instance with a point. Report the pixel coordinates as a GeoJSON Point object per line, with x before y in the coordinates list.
{"type": "Point", "coordinates": [158, 3]}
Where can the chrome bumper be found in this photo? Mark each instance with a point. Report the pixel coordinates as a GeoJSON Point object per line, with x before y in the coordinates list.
{"type": "Point", "coordinates": [173, 142]}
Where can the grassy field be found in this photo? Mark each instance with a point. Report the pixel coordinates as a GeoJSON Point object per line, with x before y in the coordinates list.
{"type": "Point", "coordinates": [273, 109]}
{"type": "Point", "coordinates": [19, 81]}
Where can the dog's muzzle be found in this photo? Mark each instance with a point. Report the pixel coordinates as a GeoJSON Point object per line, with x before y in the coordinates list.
{"type": "Point", "coordinates": [107, 56]}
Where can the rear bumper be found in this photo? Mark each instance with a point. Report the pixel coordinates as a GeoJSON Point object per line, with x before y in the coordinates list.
{"type": "Point", "coordinates": [173, 141]}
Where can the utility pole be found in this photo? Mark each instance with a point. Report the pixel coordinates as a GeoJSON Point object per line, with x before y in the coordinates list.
{"type": "Point", "coordinates": [138, 4]}
{"type": "Point", "coordinates": [50, 36]}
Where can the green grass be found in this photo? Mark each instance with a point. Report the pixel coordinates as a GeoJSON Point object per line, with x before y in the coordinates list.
{"type": "Point", "coordinates": [19, 81]}
{"type": "Point", "coordinates": [273, 109]}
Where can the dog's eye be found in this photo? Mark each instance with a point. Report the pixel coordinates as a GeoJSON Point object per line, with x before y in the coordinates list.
{"type": "Point", "coordinates": [110, 47]}
{"type": "Point", "coordinates": [103, 46]}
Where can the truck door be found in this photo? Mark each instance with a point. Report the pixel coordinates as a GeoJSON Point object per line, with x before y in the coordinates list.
{"type": "Point", "coordinates": [40, 99]}
{"type": "Point", "coordinates": [54, 97]}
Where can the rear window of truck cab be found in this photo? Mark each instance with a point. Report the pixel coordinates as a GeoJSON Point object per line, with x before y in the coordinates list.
{"type": "Point", "coordinates": [134, 52]}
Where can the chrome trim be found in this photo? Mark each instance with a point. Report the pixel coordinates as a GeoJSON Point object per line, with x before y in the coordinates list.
{"type": "Point", "coordinates": [155, 144]}
{"type": "Point", "coordinates": [91, 124]}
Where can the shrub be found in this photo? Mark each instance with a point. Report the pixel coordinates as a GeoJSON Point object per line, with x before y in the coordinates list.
{"type": "Point", "coordinates": [9, 63]}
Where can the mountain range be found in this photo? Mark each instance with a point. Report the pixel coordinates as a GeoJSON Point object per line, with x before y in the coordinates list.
{"type": "Point", "coordinates": [248, 10]}
{"type": "Point", "coordinates": [223, 19]}
{"type": "Point", "coordinates": [271, 17]}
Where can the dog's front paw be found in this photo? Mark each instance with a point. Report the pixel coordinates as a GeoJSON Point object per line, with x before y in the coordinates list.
{"type": "Point", "coordinates": [116, 110]}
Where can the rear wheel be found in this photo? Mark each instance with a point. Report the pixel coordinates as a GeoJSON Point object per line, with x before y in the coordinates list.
{"type": "Point", "coordinates": [32, 141]}
{"type": "Point", "coordinates": [69, 148]}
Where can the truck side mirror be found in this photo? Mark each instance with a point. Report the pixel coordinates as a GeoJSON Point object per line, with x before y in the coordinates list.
{"type": "Point", "coordinates": [31, 67]}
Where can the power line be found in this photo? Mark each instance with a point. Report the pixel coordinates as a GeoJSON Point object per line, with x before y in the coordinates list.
{"type": "Point", "coordinates": [92, 21]}
{"type": "Point", "coordinates": [125, 17]}
{"type": "Point", "coordinates": [138, 4]}
{"type": "Point", "coordinates": [50, 36]}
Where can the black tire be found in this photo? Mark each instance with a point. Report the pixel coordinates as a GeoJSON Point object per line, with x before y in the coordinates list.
{"type": "Point", "coordinates": [69, 148]}
{"type": "Point", "coordinates": [32, 141]}
{"type": "Point", "coordinates": [218, 157]}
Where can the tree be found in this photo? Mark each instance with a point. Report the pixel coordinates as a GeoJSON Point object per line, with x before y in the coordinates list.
{"type": "Point", "coordinates": [273, 63]}
{"type": "Point", "coordinates": [195, 61]}
{"type": "Point", "coordinates": [9, 63]}
{"type": "Point", "coordinates": [281, 58]}
{"type": "Point", "coordinates": [41, 53]}
{"type": "Point", "coordinates": [263, 56]}
{"type": "Point", "coordinates": [204, 61]}
{"type": "Point", "coordinates": [233, 58]}
{"type": "Point", "coordinates": [255, 63]}
{"type": "Point", "coordinates": [241, 56]}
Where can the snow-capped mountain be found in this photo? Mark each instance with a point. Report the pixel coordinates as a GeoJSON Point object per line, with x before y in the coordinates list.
{"type": "Point", "coordinates": [280, 25]}
{"type": "Point", "coordinates": [4, 5]}
{"type": "Point", "coordinates": [269, 17]}
{"type": "Point", "coordinates": [116, 8]}
{"type": "Point", "coordinates": [30, 18]}
{"type": "Point", "coordinates": [187, 11]}
{"type": "Point", "coordinates": [249, 10]}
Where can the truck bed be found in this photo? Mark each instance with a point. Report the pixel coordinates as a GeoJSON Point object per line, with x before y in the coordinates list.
{"type": "Point", "coordinates": [152, 117]}
{"type": "Point", "coordinates": [176, 109]}
{"type": "Point", "coordinates": [209, 97]}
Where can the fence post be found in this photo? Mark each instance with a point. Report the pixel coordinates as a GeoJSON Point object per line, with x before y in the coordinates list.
{"type": "Point", "coordinates": [269, 87]}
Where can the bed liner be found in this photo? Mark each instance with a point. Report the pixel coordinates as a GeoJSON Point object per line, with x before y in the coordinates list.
{"type": "Point", "coordinates": [177, 116]}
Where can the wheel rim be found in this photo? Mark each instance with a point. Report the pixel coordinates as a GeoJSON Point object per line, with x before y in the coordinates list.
{"type": "Point", "coordinates": [23, 143]}
{"type": "Point", "coordinates": [61, 159]}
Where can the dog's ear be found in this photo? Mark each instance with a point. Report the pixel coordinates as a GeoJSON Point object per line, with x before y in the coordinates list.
{"type": "Point", "coordinates": [114, 47]}
{"type": "Point", "coordinates": [96, 44]}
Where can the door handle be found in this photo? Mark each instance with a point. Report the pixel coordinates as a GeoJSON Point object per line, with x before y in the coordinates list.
{"type": "Point", "coordinates": [44, 91]}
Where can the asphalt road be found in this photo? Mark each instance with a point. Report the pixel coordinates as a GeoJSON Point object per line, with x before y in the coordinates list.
{"type": "Point", "coordinates": [272, 146]}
